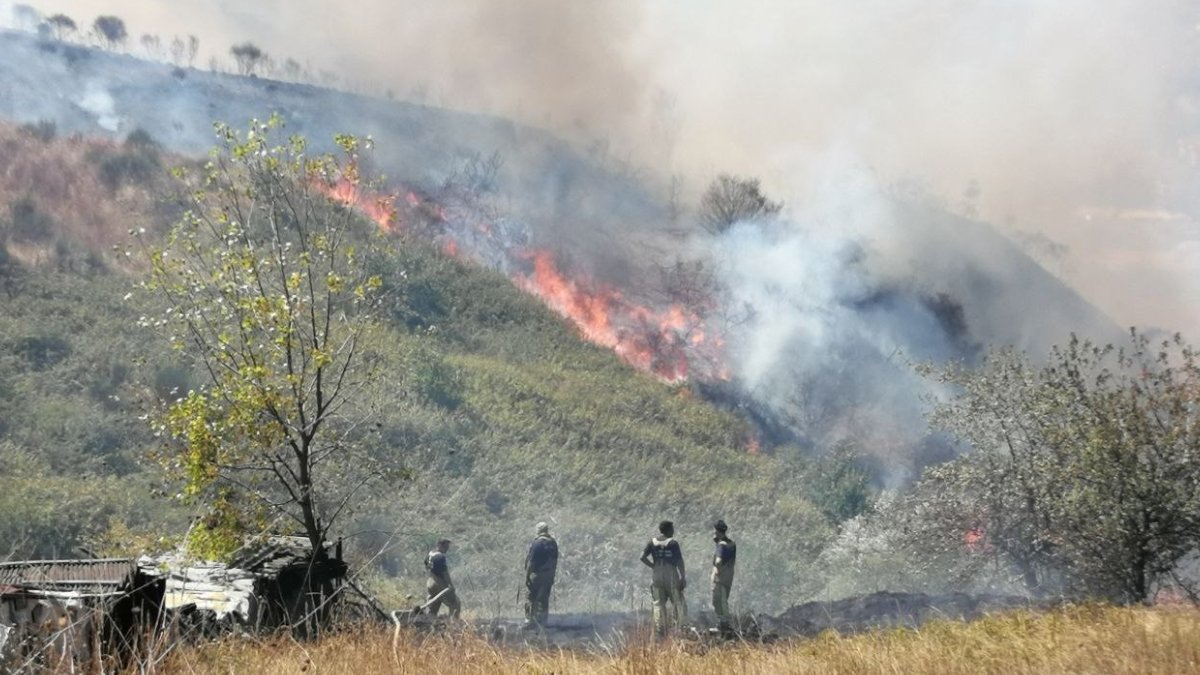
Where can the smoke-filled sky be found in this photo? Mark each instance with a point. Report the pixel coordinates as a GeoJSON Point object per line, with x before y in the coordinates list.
{"type": "Point", "coordinates": [1073, 124]}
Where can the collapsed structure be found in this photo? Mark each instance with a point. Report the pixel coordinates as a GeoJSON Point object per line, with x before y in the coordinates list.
{"type": "Point", "coordinates": [56, 613]}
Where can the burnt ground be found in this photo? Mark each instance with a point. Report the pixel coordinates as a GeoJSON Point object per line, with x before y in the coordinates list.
{"type": "Point", "coordinates": [608, 631]}
{"type": "Point", "coordinates": [888, 610]}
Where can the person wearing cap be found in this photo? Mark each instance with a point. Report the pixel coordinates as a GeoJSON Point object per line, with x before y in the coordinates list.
{"type": "Point", "coordinates": [439, 581]}
{"type": "Point", "coordinates": [669, 579]}
{"type": "Point", "coordinates": [541, 563]}
{"type": "Point", "coordinates": [722, 574]}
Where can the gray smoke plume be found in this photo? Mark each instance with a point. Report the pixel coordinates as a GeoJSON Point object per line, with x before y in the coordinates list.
{"type": "Point", "coordinates": [1070, 122]}
{"type": "Point", "coordinates": [829, 307]}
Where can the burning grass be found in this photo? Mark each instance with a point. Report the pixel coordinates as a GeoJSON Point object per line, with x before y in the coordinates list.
{"type": "Point", "coordinates": [1086, 639]}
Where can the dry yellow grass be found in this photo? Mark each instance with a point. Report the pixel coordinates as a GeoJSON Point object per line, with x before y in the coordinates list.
{"type": "Point", "coordinates": [61, 178]}
{"type": "Point", "coordinates": [1090, 639]}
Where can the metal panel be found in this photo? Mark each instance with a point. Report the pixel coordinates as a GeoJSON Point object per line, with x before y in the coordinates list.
{"type": "Point", "coordinates": [103, 574]}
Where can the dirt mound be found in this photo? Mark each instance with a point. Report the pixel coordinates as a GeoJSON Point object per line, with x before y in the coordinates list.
{"type": "Point", "coordinates": [887, 610]}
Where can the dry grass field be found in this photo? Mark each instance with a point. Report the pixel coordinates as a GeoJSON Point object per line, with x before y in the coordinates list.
{"type": "Point", "coordinates": [1087, 639]}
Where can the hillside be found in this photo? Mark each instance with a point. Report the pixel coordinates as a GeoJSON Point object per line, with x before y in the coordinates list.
{"type": "Point", "coordinates": [505, 416]}
{"type": "Point", "coordinates": [815, 348]}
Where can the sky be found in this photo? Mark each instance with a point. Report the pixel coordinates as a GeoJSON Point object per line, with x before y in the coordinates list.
{"type": "Point", "coordinates": [1070, 124]}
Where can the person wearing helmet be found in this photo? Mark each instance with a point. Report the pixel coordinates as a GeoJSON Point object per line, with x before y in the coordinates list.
{"type": "Point", "coordinates": [669, 579]}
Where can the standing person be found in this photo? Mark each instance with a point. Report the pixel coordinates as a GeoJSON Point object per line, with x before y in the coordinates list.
{"type": "Point", "coordinates": [541, 563]}
{"type": "Point", "coordinates": [439, 580]}
{"type": "Point", "coordinates": [722, 575]}
{"type": "Point", "coordinates": [663, 556]}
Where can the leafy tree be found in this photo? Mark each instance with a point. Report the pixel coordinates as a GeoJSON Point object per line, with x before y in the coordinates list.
{"type": "Point", "coordinates": [62, 25]}
{"type": "Point", "coordinates": [248, 56]}
{"type": "Point", "coordinates": [111, 29]}
{"type": "Point", "coordinates": [266, 286]}
{"type": "Point", "coordinates": [730, 199]}
{"type": "Point", "coordinates": [1084, 468]}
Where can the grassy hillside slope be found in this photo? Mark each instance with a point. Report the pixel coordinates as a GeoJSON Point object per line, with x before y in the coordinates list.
{"type": "Point", "coordinates": [504, 414]}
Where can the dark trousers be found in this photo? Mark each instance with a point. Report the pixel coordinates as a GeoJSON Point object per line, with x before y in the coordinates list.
{"type": "Point", "coordinates": [537, 598]}
{"type": "Point", "coordinates": [432, 588]}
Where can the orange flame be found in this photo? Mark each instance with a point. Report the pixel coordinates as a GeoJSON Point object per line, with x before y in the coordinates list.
{"type": "Point", "coordinates": [753, 445]}
{"type": "Point", "coordinates": [657, 342]}
{"type": "Point", "coordinates": [648, 340]}
{"type": "Point", "coordinates": [347, 192]}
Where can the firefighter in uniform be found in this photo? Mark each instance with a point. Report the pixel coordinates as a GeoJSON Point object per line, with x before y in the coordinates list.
{"type": "Point", "coordinates": [541, 563]}
{"type": "Point", "coordinates": [724, 558]}
{"type": "Point", "coordinates": [439, 580]}
{"type": "Point", "coordinates": [663, 556]}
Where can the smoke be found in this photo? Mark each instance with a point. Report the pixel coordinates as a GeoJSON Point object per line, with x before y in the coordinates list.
{"type": "Point", "coordinates": [876, 123]}
{"type": "Point", "coordinates": [821, 335]}
{"type": "Point", "coordinates": [100, 103]}
{"type": "Point", "coordinates": [828, 308]}
{"type": "Point", "coordinates": [562, 65]}
{"type": "Point", "coordinates": [1048, 108]}
{"type": "Point", "coordinates": [1056, 120]}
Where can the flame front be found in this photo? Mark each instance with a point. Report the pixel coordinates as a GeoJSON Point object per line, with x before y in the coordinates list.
{"type": "Point", "coordinates": [379, 208]}
{"type": "Point", "coordinates": [645, 339]}
{"type": "Point", "coordinates": [665, 343]}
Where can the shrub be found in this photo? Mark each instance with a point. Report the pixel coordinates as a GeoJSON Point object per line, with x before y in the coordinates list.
{"type": "Point", "coordinates": [43, 130]}
{"type": "Point", "coordinates": [27, 223]}
{"type": "Point", "coordinates": [43, 351]}
{"type": "Point", "coordinates": [140, 139]}
{"type": "Point", "coordinates": [127, 168]}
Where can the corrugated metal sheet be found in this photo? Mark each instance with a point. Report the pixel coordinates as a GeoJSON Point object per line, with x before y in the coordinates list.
{"type": "Point", "coordinates": [77, 575]}
{"type": "Point", "coordinates": [268, 556]}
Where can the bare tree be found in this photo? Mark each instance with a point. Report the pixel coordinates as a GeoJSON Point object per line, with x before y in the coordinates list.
{"type": "Point", "coordinates": [193, 48]}
{"type": "Point", "coordinates": [178, 49]}
{"type": "Point", "coordinates": [292, 69]}
{"type": "Point", "coordinates": [731, 199]}
{"type": "Point", "coordinates": [152, 44]}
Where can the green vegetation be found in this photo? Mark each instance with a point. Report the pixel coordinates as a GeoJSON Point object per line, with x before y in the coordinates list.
{"type": "Point", "coordinates": [266, 290]}
{"type": "Point", "coordinates": [1080, 481]}
{"type": "Point", "coordinates": [501, 413]}
{"type": "Point", "coordinates": [1084, 471]}
{"type": "Point", "coordinates": [497, 416]}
